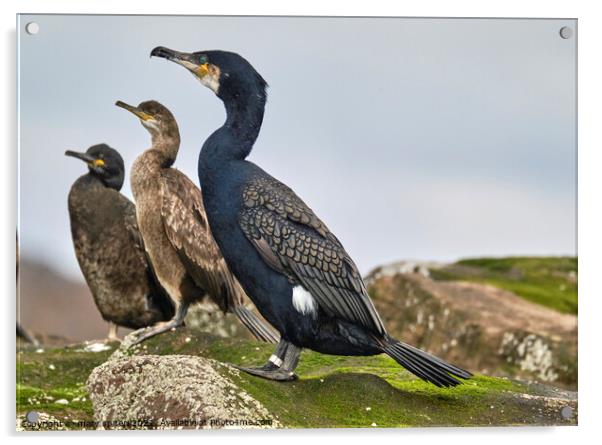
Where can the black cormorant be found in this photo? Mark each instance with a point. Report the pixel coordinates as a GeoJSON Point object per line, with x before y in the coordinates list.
{"type": "Point", "coordinates": [294, 269]}
{"type": "Point", "coordinates": [109, 247]}
{"type": "Point", "coordinates": [177, 239]}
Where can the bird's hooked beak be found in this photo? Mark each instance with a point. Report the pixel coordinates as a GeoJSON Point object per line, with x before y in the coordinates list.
{"type": "Point", "coordinates": [187, 60]}
{"type": "Point", "coordinates": [135, 110]}
{"type": "Point", "coordinates": [90, 160]}
{"type": "Point", "coordinates": [196, 63]}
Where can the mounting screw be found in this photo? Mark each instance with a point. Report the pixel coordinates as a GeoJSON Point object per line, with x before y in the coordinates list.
{"type": "Point", "coordinates": [566, 412]}
{"type": "Point", "coordinates": [32, 28]}
{"type": "Point", "coordinates": [566, 32]}
{"type": "Point", "coordinates": [32, 417]}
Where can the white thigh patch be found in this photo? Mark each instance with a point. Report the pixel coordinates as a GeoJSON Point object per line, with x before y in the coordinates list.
{"type": "Point", "coordinates": [303, 301]}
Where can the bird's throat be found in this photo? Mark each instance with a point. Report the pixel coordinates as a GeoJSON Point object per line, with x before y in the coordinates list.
{"type": "Point", "coordinates": [234, 140]}
{"type": "Point", "coordinates": [243, 122]}
{"type": "Point", "coordinates": [165, 149]}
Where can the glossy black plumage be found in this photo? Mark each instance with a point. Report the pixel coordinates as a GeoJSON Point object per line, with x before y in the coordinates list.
{"type": "Point", "coordinates": [294, 242]}
{"type": "Point", "coordinates": [294, 269]}
{"type": "Point", "coordinates": [108, 245]}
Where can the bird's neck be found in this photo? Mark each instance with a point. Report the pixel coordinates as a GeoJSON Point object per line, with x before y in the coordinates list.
{"type": "Point", "coordinates": [164, 150]}
{"type": "Point", "coordinates": [91, 179]}
{"type": "Point", "coordinates": [234, 140]}
{"type": "Point", "coordinates": [244, 118]}
{"type": "Point", "coordinates": [114, 182]}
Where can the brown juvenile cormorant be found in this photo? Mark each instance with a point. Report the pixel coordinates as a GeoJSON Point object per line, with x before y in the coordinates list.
{"type": "Point", "coordinates": [294, 269]}
{"type": "Point", "coordinates": [177, 239]}
{"type": "Point", "coordinates": [109, 247]}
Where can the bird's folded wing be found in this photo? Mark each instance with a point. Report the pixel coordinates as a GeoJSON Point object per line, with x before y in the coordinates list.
{"type": "Point", "coordinates": [293, 241]}
{"type": "Point", "coordinates": [131, 225]}
{"type": "Point", "coordinates": [188, 230]}
{"type": "Point", "coordinates": [159, 298]}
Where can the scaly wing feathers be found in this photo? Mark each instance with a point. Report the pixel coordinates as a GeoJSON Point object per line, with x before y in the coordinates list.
{"type": "Point", "coordinates": [295, 242]}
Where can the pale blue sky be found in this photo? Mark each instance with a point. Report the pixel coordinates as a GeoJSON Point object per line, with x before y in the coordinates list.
{"type": "Point", "coordinates": [429, 139]}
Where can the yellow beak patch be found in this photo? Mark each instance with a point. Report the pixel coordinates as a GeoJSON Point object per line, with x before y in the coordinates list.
{"type": "Point", "coordinates": [98, 163]}
{"type": "Point", "coordinates": [203, 70]}
{"type": "Point", "coordinates": [144, 116]}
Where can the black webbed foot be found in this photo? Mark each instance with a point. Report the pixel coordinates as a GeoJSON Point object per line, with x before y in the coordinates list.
{"type": "Point", "coordinates": [269, 371]}
{"type": "Point", "coordinates": [281, 365]}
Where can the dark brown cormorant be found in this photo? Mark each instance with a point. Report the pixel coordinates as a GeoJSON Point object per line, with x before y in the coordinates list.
{"type": "Point", "coordinates": [177, 239]}
{"type": "Point", "coordinates": [294, 269]}
{"type": "Point", "coordinates": [109, 247]}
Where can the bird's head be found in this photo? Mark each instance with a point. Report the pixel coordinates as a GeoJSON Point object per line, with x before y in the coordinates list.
{"type": "Point", "coordinates": [156, 118]}
{"type": "Point", "coordinates": [103, 162]}
{"type": "Point", "coordinates": [227, 74]}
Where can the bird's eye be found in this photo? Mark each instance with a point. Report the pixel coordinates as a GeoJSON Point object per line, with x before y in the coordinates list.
{"type": "Point", "coordinates": [202, 59]}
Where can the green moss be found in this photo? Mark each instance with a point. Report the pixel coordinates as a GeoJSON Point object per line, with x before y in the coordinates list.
{"type": "Point", "coordinates": [59, 373]}
{"type": "Point", "coordinates": [333, 391]}
{"type": "Point", "coordinates": [365, 396]}
{"type": "Point", "coordinates": [549, 281]}
{"type": "Point", "coordinates": [336, 391]}
{"type": "Point", "coordinates": [31, 398]}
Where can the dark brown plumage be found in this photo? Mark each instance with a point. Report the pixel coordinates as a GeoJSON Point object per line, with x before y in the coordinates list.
{"type": "Point", "coordinates": [177, 238]}
{"type": "Point", "coordinates": [108, 245]}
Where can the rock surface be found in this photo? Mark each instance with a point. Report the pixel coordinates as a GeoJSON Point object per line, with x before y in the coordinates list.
{"type": "Point", "coordinates": [181, 375]}
{"type": "Point", "coordinates": [482, 327]}
{"type": "Point", "coordinates": [507, 341]}
{"type": "Point", "coordinates": [172, 392]}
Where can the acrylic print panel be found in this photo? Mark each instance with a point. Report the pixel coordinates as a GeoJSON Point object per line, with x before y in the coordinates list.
{"type": "Point", "coordinates": [435, 158]}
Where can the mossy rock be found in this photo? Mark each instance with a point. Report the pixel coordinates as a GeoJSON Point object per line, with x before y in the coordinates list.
{"type": "Point", "coordinates": [332, 391]}
{"type": "Point", "coordinates": [337, 391]}
{"type": "Point", "coordinates": [47, 378]}
{"type": "Point", "coordinates": [548, 281]}
{"type": "Point", "coordinates": [480, 326]}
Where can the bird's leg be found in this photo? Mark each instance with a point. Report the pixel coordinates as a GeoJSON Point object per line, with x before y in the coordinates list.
{"type": "Point", "coordinates": [280, 366]}
{"type": "Point", "coordinates": [273, 363]}
{"type": "Point", "coordinates": [164, 326]}
{"type": "Point", "coordinates": [112, 335]}
{"type": "Point", "coordinates": [276, 359]}
{"type": "Point", "coordinates": [291, 360]}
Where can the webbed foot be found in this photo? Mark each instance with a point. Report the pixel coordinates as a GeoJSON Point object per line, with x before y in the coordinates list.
{"type": "Point", "coordinates": [146, 333]}
{"type": "Point", "coordinates": [270, 371]}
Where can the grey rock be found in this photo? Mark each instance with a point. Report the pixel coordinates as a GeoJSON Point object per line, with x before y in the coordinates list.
{"type": "Point", "coordinates": [172, 392]}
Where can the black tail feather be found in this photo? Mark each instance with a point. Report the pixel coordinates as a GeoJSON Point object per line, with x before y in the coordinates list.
{"type": "Point", "coordinates": [459, 372]}
{"type": "Point", "coordinates": [424, 365]}
{"type": "Point", "coordinates": [258, 328]}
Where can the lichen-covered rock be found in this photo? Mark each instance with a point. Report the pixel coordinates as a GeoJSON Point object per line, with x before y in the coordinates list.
{"type": "Point", "coordinates": [332, 391]}
{"type": "Point", "coordinates": [208, 317]}
{"type": "Point", "coordinates": [479, 327]}
{"type": "Point", "coordinates": [172, 392]}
